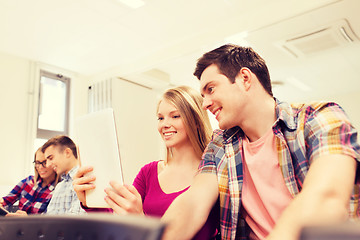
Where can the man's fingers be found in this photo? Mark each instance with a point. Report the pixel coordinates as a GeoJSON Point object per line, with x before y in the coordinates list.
{"type": "Point", "coordinates": [82, 171]}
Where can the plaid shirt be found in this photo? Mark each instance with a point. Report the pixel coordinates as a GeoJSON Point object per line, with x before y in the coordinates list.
{"type": "Point", "coordinates": [32, 199]}
{"type": "Point", "coordinates": [303, 134]}
{"type": "Point", "coordinates": [64, 199]}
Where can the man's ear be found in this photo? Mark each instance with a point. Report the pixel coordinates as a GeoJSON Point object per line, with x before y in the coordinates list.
{"type": "Point", "coordinates": [68, 152]}
{"type": "Point", "coordinates": [246, 76]}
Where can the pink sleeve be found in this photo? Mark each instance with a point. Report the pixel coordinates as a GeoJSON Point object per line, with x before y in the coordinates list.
{"type": "Point", "coordinates": [142, 178]}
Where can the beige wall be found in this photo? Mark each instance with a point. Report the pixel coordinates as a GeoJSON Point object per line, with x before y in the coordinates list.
{"type": "Point", "coordinates": [134, 105]}
{"type": "Point", "coordinates": [14, 97]}
{"type": "Point", "coordinates": [19, 81]}
{"type": "Point", "coordinates": [136, 122]}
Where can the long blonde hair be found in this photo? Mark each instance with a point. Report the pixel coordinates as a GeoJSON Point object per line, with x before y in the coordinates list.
{"type": "Point", "coordinates": [196, 120]}
{"type": "Point", "coordinates": [37, 176]}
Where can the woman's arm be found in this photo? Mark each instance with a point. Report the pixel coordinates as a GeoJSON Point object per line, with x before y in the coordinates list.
{"type": "Point", "coordinates": [15, 193]}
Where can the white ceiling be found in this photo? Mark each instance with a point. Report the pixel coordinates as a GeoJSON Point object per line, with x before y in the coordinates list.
{"type": "Point", "coordinates": [93, 37]}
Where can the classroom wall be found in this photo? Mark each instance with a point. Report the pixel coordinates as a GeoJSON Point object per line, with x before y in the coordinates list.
{"type": "Point", "coordinates": [136, 122]}
{"type": "Point", "coordinates": [19, 81]}
{"type": "Point", "coordinates": [18, 105]}
{"type": "Point", "coordinates": [14, 98]}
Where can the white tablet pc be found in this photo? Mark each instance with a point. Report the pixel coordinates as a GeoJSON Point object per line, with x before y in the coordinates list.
{"type": "Point", "coordinates": [96, 138]}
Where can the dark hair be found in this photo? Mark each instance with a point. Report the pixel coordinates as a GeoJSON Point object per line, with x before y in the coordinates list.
{"type": "Point", "coordinates": [230, 59]}
{"type": "Point", "coordinates": [63, 142]}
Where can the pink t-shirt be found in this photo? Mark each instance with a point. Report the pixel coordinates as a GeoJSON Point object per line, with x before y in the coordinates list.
{"type": "Point", "coordinates": [264, 193]}
{"type": "Point", "coordinates": [156, 202]}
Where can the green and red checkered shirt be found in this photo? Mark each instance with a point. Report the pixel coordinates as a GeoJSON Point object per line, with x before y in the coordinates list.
{"type": "Point", "coordinates": [304, 132]}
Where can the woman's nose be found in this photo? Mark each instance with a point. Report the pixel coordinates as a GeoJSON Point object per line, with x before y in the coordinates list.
{"type": "Point", "coordinates": [166, 122]}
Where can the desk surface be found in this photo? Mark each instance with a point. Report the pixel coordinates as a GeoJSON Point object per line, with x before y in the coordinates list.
{"type": "Point", "coordinates": [341, 231]}
{"type": "Point", "coordinates": [91, 226]}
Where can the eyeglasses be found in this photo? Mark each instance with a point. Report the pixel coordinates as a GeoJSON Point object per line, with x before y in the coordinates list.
{"type": "Point", "coordinates": [38, 163]}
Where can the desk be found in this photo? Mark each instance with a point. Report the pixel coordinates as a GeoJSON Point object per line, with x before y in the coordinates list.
{"type": "Point", "coordinates": [341, 231]}
{"type": "Point", "coordinates": [93, 226]}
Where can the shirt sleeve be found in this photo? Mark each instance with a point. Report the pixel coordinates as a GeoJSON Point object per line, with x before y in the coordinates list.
{"type": "Point", "coordinates": [51, 206]}
{"type": "Point", "coordinates": [15, 193]}
{"type": "Point", "coordinates": [208, 163]}
{"type": "Point", "coordinates": [328, 130]}
{"type": "Point", "coordinates": [141, 179]}
{"type": "Point", "coordinates": [75, 204]}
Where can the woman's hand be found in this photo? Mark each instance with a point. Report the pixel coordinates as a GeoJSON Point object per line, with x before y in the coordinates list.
{"type": "Point", "coordinates": [18, 213]}
{"type": "Point", "coordinates": [83, 183]}
{"type": "Point", "coordinates": [124, 199]}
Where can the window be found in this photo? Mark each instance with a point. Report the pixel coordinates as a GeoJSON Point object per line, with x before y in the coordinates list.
{"type": "Point", "coordinates": [53, 107]}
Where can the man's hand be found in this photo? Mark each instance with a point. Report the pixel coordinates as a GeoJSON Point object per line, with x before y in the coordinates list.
{"type": "Point", "coordinates": [83, 183]}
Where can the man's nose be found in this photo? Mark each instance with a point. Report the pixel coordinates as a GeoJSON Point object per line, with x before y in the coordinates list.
{"type": "Point", "coordinates": [48, 163]}
{"type": "Point", "coordinates": [206, 103]}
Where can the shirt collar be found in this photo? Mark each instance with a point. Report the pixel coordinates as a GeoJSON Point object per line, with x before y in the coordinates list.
{"type": "Point", "coordinates": [50, 185]}
{"type": "Point", "coordinates": [230, 133]}
{"type": "Point", "coordinates": [70, 174]}
{"type": "Point", "coordinates": [284, 113]}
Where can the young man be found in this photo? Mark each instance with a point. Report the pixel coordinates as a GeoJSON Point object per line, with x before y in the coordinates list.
{"type": "Point", "coordinates": [60, 153]}
{"type": "Point", "coordinates": [275, 167]}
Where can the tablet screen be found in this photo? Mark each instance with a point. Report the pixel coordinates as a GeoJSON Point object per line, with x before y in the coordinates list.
{"type": "Point", "coordinates": [96, 138]}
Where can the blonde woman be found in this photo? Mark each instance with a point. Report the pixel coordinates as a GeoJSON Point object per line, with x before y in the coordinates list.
{"type": "Point", "coordinates": [34, 192]}
{"type": "Point", "coordinates": [185, 129]}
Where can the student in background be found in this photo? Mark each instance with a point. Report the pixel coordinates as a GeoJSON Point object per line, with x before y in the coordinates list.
{"type": "Point", "coordinates": [276, 167]}
{"type": "Point", "coordinates": [185, 128]}
{"type": "Point", "coordinates": [60, 153]}
{"type": "Point", "coordinates": [34, 192]}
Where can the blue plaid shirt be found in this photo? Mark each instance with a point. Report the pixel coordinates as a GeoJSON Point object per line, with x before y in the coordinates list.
{"type": "Point", "coordinates": [64, 199]}
{"type": "Point", "coordinates": [303, 134]}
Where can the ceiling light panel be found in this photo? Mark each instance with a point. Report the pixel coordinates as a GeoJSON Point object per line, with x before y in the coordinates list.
{"type": "Point", "coordinates": [132, 3]}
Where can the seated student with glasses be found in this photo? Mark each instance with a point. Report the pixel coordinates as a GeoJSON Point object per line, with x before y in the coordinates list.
{"type": "Point", "coordinates": [34, 192]}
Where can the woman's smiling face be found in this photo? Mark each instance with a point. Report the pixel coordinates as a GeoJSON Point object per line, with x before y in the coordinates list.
{"type": "Point", "coordinates": [170, 124]}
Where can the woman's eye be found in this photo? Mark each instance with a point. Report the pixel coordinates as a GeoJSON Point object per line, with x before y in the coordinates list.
{"type": "Point", "coordinates": [160, 118]}
{"type": "Point", "coordinates": [176, 116]}
{"type": "Point", "coordinates": [210, 89]}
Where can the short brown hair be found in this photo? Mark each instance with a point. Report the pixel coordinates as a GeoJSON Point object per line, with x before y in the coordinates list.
{"type": "Point", "coordinates": [231, 58]}
{"type": "Point", "coordinates": [62, 141]}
